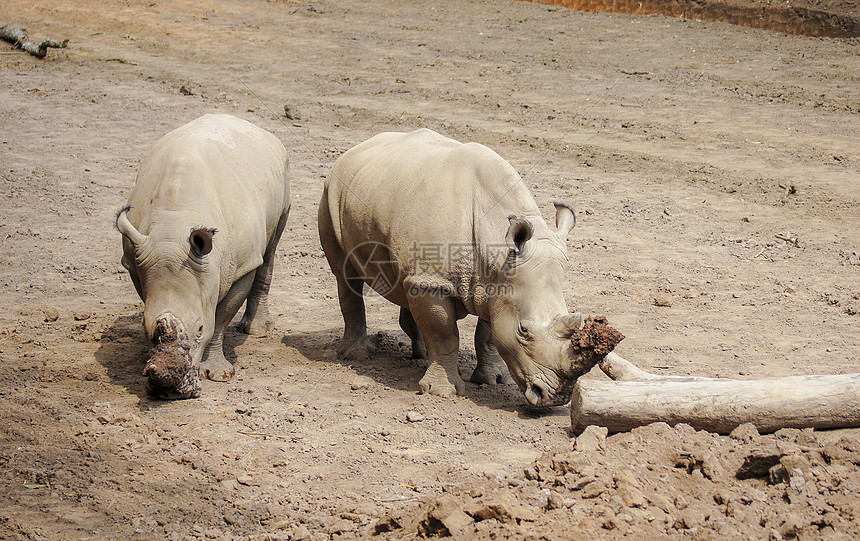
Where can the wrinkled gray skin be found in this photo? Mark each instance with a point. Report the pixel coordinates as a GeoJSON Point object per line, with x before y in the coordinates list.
{"type": "Point", "coordinates": [395, 201]}
{"type": "Point", "coordinates": [199, 235]}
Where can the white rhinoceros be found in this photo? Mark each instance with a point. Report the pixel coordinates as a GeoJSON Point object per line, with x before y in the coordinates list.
{"type": "Point", "coordinates": [445, 229]}
{"type": "Point", "coordinates": [199, 237]}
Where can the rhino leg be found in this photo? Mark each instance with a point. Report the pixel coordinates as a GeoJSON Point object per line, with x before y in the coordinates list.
{"type": "Point", "coordinates": [491, 368]}
{"type": "Point", "coordinates": [257, 320]}
{"type": "Point", "coordinates": [407, 323]}
{"type": "Point", "coordinates": [214, 365]}
{"type": "Point", "coordinates": [355, 345]}
{"type": "Point", "coordinates": [436, 319]}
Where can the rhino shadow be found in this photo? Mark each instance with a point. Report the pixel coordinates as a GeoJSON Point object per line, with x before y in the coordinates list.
{"type": "Point", "coordinates": [123, 351]}
{"type": "Point", "coordinates": [392, 365]}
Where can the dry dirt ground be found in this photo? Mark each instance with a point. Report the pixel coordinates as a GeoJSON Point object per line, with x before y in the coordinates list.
{"type": "Point", "coordinates": [716, 174]}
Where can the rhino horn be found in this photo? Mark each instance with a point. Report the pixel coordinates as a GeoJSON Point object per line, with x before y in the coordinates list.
{"type": "Point", "coordinates": [129, 231]}
{"type": "Point", "coordinates": [568, 324]}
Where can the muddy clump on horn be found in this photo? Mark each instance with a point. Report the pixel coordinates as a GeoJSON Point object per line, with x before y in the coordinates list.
{"type": "Point", "coordinates": [595, 340]}
{"type": "Point", "coordinates": [589, 344]}
{"type": "Point", "coordinates": [169, 370]}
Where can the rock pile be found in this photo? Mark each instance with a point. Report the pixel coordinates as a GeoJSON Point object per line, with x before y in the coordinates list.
{"type": "Point", "coordinates": [657, 481]}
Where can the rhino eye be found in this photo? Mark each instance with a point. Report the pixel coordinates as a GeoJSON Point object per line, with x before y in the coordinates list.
{"type": "Point", "coordinates": [523, 330]}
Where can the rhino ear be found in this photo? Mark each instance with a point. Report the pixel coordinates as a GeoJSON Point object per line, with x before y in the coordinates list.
{"type": "Point", "coordinates": [201, 240]}
{"type": "Point", "coordinates": [519, 232]}
{"type": "Point", "coordinates": [565, 219]}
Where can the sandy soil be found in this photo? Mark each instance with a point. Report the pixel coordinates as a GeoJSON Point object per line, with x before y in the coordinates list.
{"type": "Point", "coordinates": [716, 174]}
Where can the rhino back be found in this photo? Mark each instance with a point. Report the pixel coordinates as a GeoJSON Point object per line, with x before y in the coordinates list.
{"type": "Point", "coordinates": [422, 187]}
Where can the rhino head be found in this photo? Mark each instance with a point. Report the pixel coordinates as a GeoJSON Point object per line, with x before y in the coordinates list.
{"type": "Point", "coordinates": [545, 347]}
{"type": "Point", "coordinates": [171, 272]}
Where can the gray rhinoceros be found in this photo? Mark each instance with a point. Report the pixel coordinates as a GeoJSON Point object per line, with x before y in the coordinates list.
{"type": "Point", "coordinates": [445, 229]}
{"type": "Point", "coordinates": [199, 237]}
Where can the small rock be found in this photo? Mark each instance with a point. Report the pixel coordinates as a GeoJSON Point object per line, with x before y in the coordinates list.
{"type": "Point", "coordinates": [292, 112]}
{"type": "Point", "coordinates": [339, 526]}
{"type": "Point", "coordinates": [245, 479]}
{"type": "Point", "coordinates": [627, 478]}
{"type": "Point", "coordinates": [506, 510]}
{"type": "Point", "coordinates": [593, 490]}
{"type": "Point", "coordinates": [573, 482]}
{"type": "Point", "coordinates": [554, 501]}
{"type": "Point", "coordinates": [722, 496]}
{"type": "Point", "coordinates": [300, 533]}
{"type": "Point", "coordinates": [230, 484]}
{"type": "Point", "coordinates": [51, 314]}
{"type": "Point", "coordinates": [793, 525]}
{"type": "Point", "coordinates": [628, 490]}
{"type": "Point", "coordinates": [795, 462]}
{"type": "Point", "coordinates": [414, 416]}
{"type": "Point", "coordinates": [745, 433]}
{"type": "Point", "coordinates": [684, 431]}
{"type": "Point", "coordinates": [712, 466]}
{"type": "Point", "coordinates": [82, 316]}
{"type": "Point", "coordinates": [592, 438]}
{"type": "Point", "coordinates": [663, 300]}
{"type": "Point", "coordinates": [796, 481]}
{"type": "Point", "coordinates": [661, 502]}
{"type": "Point", "coordinates": [631, 497]}
{"type": "Point", "coordinates": [750, 494]}
{"type": "Point", "coordinates": [360, 383]}
{"type": "Point", "coordinates": [626, 517]}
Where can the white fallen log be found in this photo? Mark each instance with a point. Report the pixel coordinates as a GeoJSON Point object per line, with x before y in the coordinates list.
{"type": "Point", "coordinates": [637, 397]}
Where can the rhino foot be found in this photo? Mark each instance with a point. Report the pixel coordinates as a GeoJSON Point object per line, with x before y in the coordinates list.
{"type": "Point", "coordinates": [355, 350]}
{"type": "Point", "coordinates": [491, 376]}
{"type": "Point", "coordinates": [217, 369]}
{"type": "Point", "coordinates": [437, 381]}
{"type": "Point", "coordinates": [258, 326]}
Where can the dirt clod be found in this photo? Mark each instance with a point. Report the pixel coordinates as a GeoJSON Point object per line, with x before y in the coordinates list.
{"type": "Point", "coordinates": [596, 339]}
{"type": "Point", "coordinates": [51, 314]}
